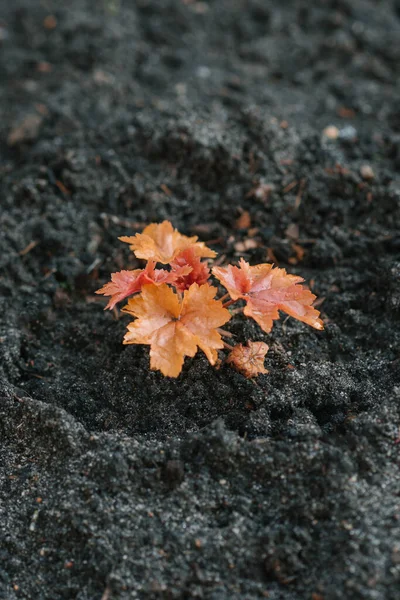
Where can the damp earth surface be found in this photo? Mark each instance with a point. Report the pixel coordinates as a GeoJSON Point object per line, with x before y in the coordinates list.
{"type": "Point", "coordinates": [272, 131]}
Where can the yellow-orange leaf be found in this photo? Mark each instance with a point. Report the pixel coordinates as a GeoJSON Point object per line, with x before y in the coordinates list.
{"type": "Point", "coordinates": [176, 328]}
{"type": "Point", "coordinates": [249, 360]}
{"type": "Point", "coordinates": [266, 290]}
{"type": "Point", "coordinates": [162, 243]}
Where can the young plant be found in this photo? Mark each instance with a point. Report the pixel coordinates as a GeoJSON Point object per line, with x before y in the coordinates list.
{"type": "Point", "coordinates": [176, 311]}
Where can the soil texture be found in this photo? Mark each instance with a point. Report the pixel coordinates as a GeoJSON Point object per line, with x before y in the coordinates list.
{"type": "Point", "coordinates": [272, 131]}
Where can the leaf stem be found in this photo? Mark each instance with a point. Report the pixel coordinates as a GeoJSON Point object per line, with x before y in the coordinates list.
{"type": "Point", "coordinates": [224, 297]}
{"type": "Point", "coordinates": [226, 304]}
{"type": "Point", "coordinates": [225, 333]}
{"type": "Point", "coordinates": [228, 346]}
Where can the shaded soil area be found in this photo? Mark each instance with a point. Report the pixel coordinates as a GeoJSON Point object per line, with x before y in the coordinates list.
{"type": "Point", "coordinates": [272, 131]}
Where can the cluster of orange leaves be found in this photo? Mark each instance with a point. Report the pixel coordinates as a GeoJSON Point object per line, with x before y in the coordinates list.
{"type": "Point", "coordinates": [175, 308]}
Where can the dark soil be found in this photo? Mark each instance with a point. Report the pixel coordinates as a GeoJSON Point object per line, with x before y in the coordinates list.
{"type": "Point", "coordinates": [115, 482]}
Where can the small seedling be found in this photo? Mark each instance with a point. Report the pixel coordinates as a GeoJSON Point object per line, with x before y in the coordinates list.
{"type": "Point", "coordinates": [175, 308]}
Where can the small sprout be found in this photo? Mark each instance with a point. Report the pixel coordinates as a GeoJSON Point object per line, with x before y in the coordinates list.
{"type": "Point", "coordinates": [176, 324]}
{"type": "Point", "coordinates": [249, 360]}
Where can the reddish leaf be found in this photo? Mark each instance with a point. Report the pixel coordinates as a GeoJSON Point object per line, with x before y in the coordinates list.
{"type": "Point", "coordinates": [126, 283]}
{"type": "Point", "coordinates": [198, 271]}
{"type": "Point", "coordinates": [266, 290]}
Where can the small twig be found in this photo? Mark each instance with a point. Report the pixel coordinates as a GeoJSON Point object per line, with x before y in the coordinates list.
{"type": "Point", "coordinates": [300, 193]}
{"type": "Point", "coordinates": [219, 260]}
{"type": "Point", "coordinates": [307, 241]}
{"type": "Point", "coordinates": [319, 301]}
{"type": "Point", "coordinates": [107, 218]}
{"type": "Point", "coordinates": [106, 594]}
{"type": "Point", "coordinates": [63, 189]}
{"type": "Point", "coordinates": [28, 248]}
{"type": "Point", "coordinates": [271, 256]}
{"type": "Point", "coordinates": [97, 261]}
{"type": "Point", "coordinates": [255, 383]}
{"type": "Point", "coordinates": [18, 398]}
{"type": "Point", "coordinates": [166, 189]}
{"type": "Point", "coordinates": [290, 186]}
{"type": "Point", "coordinates": [49, 273]}
{"type": "Point", "coordinates": [215, 241]}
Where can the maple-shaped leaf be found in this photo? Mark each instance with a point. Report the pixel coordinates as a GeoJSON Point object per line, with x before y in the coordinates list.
{"type": "Point", "coordinates": [266, 290]}
{"type": "Point", "coordinates": [126, 283]}
{"type": "Point", "coordinates": [199, 272]}
{"type": "Point", "coordinates": [249, 360]}
{"type": "Point", "coordinates": [162, 243]}
{"type": "Point", "coordinates": [175, 327]}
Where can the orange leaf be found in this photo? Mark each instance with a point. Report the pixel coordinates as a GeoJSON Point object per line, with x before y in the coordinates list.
{"type": "Point", "coordinates": [266, 290]}
{"type": "Point", "coordinates": [162, 243]}
{"type": "Point", "coordinates": [249, 360]}
{"type": "Point", "coordinates": [176, 328]}
{"type": "Point", "coordinates": [126, 283]}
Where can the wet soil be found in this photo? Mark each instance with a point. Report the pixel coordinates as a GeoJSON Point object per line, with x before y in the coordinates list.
{"type": "Point", "coordinates": [115, 482]}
